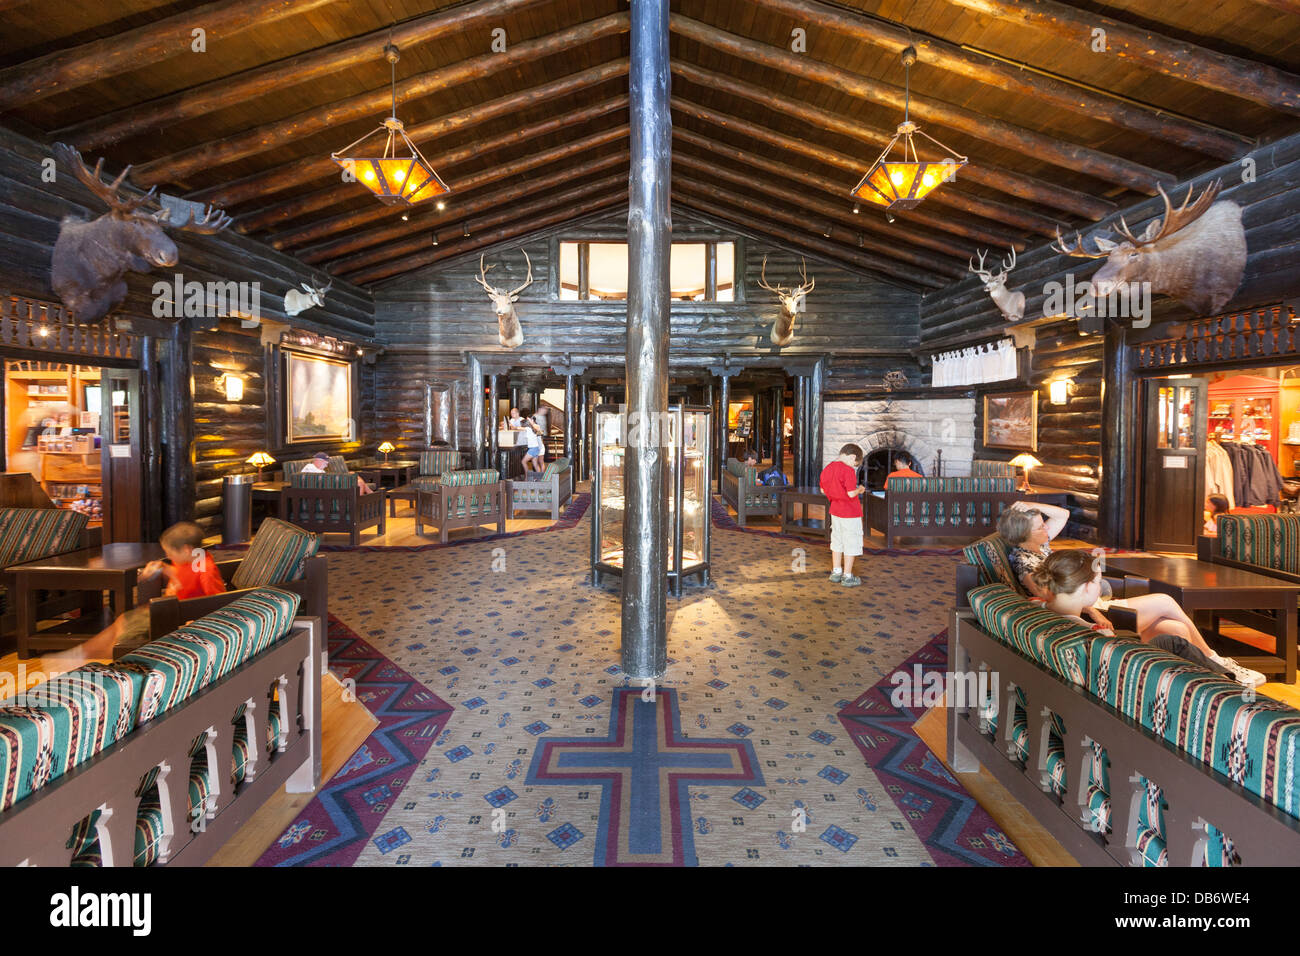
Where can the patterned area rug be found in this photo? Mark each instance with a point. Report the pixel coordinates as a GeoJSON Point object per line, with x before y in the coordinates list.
{"type": "Point", "coordinates": [553, 758]}
{"type": "Point", "coordinates": [334, 827]}
{"type": "Point", "coordinates": [954, 828]}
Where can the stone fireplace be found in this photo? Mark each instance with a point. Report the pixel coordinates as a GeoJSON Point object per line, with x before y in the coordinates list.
{"type": "Point", "coordinates": [919, 426]}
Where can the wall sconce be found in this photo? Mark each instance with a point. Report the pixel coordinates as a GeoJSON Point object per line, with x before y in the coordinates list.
{"type": "Point", "coordinates": [1060, 391]}
{"type": "Point", "coordinates": [233, 385]}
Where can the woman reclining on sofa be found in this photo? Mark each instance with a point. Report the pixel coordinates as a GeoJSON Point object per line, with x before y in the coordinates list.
{"type": "Point", "coordinates": [1070, 582]}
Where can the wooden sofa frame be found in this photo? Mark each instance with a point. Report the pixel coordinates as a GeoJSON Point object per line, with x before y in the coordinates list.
{"type": "Point", "coordinates": [1194, 792]}
{"type": "Point", "coordinates": [432, 507]}
{"type": "Point", "coordinates": [56, 603]}
{"type": "Point", "coordinates": [166, 616]}
{"type": "Point", "coordinates": [735, 496]}
{"type": "Point", "coordinates": [35, 831]}
{"type": "Point", "coordinates": [363, 511]}
{"type": "Point", "coordinates": [880, 513]}
{"type": "Point", "coordinates": [561, 490]}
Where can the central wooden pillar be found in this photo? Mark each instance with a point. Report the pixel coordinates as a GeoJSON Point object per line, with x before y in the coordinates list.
{"type": "Point", "coordinates": [1120, 446]}
{"type": "Point", "coordinates": [570, 419]}
{"type": "Point", "coordinates": [645, 518]}
{"type": "Point", "coordinates": [778, 426]}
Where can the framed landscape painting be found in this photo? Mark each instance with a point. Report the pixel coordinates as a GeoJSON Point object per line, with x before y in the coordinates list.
{"type": "Point", "coordinates": [318, 399]}
{"type": "Point", "coordinates": [1011, 420]}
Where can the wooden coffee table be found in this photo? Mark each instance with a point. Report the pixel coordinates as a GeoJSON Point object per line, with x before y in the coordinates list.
{"type": "Point", "coordinates": [1201, 586]}
{"type": "Point", "coordinates": [405, 492]}
{"type": "Point", "coordinates": [398, 472]}
{"type": "Point", "coordinates": [805, 496]}
{"type": "Point", "coordinates": [112, 568]}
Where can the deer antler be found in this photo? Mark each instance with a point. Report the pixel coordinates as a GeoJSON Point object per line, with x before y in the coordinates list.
{"type": "Point", "coordinates": [807, 285]}
{"type": "Point", "coordinates": [1173, 219]}
{"type": "Point", "coordinates": [481, 278]}
{"type": "Point", "coordinates": [529, 280]}
{"type": "Point", "coordinates": [763, 284]}
{"type": "Point", "coordinates": [108, 192]}
{"type": "Point", "coordinates": [980, 270]}
{"type": "Point", "coordinates": [1008, 266]}
{"type": "Point", "coordinates": [1077, 250]}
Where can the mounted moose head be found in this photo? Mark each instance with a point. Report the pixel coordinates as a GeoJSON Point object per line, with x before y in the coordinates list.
{"type": "Point", "coordinates": [1010, 304]}
{"type": "Point", "coordinates": [791, 301]}
{"type": "Point", "coordinates": [509, 334]}
{"type": "Point", "coordinates": [1195, 254]}
{"type": "Point", "coordinates": [295, 301]}
{"type": "Point", "coordinates": [91, 259]}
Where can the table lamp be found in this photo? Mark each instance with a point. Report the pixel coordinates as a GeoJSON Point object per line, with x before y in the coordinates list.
{"type": "Point", "coordinates": [386, 449]}
{"type": "Point", "coordinates": [1027, 462]}
{"type": "Point", "coordinates": [260, 460]}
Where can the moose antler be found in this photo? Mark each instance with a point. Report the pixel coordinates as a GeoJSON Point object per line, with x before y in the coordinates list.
{"type": "Point", "coordinates": [214, 220]}
{"type": "Point", "coordinates": [1173, 219]}
{"type": "Point", "coordinates": [1077, 250]}
{"type": "Point", "coordinates": [108, 192]}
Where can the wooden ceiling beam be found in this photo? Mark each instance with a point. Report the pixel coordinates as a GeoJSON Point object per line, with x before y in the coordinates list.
{"type": "Point", "coordinates": [265, 80]}
{"type": "Point", "coordinates": [1245, 79]}
{"type": "Point", "coordinates": [511, 213]}
{"type": "Point", "coordinates": [1071, 156]}
{"type": "Point", "coordinates": [177, 167]}
{"type": "Point", "coordinates": [800, 243]}
{"type": "Point", "coordinates": [375, 210]}
{"type": "Point", "coordinates": [845, 249]}
{"type": "Point", "coordinates": [475, 242]}
{"type": "Point", "coordinates": [1013, 184]}
{"type": "Point", "coordinates": [331, 253]}
{"type": "Point", "coordinates": [895, 246]}
{"type": "Point", "coordinates": [981, 231]}
{"type": "Point", "coordinates": [341, 192]}
{"type": "Point", "coordinates": [264, 183]}
{"type": "Point", "coordinates": [132, 49]}
{"type": "Point", "coordinates": [1007, 76]}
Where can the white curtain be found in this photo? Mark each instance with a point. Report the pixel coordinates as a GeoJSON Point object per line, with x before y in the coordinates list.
{"type": "Point", "coordinates": [991, 362]}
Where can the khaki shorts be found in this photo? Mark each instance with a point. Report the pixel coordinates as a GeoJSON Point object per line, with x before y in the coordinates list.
{"type": "Point", "coordinates": [846, 535]}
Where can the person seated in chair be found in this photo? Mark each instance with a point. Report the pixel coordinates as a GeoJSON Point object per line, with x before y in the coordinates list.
{"type": "Point", "coordinates": [903, 469]}
{"type": "Point", "coordinates": [772, 475]}
{"type": "Point", "coordinates": [319, 465]}
{"type": "Point", "coordinates": [1215, 505]}
{"type": "Point", "coordinates": [1071, 583]}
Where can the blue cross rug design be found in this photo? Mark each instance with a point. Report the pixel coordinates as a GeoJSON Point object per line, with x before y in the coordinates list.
{"type": "Point", "coordinates": [643, 768]}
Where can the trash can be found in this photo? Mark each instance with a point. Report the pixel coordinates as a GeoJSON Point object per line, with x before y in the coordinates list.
{"type": "Point", "coordinates": [236, 508]}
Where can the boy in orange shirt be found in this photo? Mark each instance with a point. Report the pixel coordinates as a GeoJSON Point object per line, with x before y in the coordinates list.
{"type": "Point", "coordinates": [839, 483]}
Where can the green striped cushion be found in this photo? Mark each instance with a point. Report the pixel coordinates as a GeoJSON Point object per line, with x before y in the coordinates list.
{"type": "Point", "coordinates": [990, 556]}
{"type": "Point", "coordinates": [949, 486]}
{"type": "Point", "coordinates": [329, 481]}
{"type": "Point", "coordinates": [1058, 643]}
{"type": "Point", "coordinates": [481, 476]}
{"type": "Point", "coordinates": [59, 724]}
{"type": "Point", "coordinates": [992, 469]}
{"type": "Point", "coordinates": [239, 755]}
{"type": "Point", "coordinates": [1268, 541]}
{"type": "Point", "coordinates": [555, 467]}
{"type": "Point", "coordinates": [437, 461]}
{"type": "Point", "coordinates": [27, 534]}
{"type": "Point", "coordinates": [426, 483]}
{"type": "Point", "coordinates": [276, 555]}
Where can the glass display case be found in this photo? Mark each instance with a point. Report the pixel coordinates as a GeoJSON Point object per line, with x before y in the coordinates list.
{"type": "Point", "coordinates": [684, 432]}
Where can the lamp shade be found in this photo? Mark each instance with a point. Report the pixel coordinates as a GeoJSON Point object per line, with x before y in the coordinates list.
{"type": "Point", "coordinates": [903, 184]}
{"type": "Point", "coordinates": [1025, 461]}
{"type": "Point", "coordinates": [1060, 391]}
{"type": "Point", "coordinates": [260, 459]}
{"type": "Point", "coordinates": [386, 447]}
{"type": "Point", "coordinates": [233, 386]}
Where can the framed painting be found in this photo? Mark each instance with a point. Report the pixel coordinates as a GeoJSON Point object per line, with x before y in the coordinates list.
{"type": "Point", "coordinates": [318, 399]}
{"type": "Point", "coordinates": [1011, 420]}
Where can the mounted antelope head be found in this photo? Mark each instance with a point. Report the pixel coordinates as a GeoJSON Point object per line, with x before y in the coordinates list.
{"type": "Point", "coordinates": [509, 334]}
{"type": "Point", "coordinates": [791, 301]}
{"type": "Point", "coordinates": [295, 301]}
{"type": "Point", "coordinates": [1010, 304]}
{"type": "Point", "coordinates": [91, 259]}
{"type": "Point", "coordinates": [1196, 253]}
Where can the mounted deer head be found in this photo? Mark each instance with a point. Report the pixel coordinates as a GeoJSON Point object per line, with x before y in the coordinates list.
{"type": "Point", "coordinates": [295, 301]}
{"type": "Point", "coordinates": [1195, 253]}
{"type": "Point", "coordinates": [91, 259]}
{"type": "Point", "coordinates": [509, 334]}
{"type": "Point", "coordinates": [791, 301]}
{"type": "Point", "coordinates": [1010, 304]}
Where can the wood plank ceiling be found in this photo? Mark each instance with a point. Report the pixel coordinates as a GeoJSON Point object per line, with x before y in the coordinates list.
{"type": "Point", "coordinates": [765, 136]}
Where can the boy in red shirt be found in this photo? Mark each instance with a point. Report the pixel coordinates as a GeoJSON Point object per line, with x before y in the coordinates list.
{"type": "Point", "coordinates": [190, 572]}
{"type": "Point", "coordinates": [839, 483]}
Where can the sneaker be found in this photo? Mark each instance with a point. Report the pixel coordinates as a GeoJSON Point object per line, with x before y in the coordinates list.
{"type": "Point", "coordinates": [836, 577]}
{"type": "Point", "coordinates": [851, 581]}
{"type": "Point", "coordinates": [1242, 675]}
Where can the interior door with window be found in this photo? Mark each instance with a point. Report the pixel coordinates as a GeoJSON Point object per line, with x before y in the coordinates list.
{"type": "Point", "coordinates": [120, 428]}
{"type": "Point", "coordinates": [1173, 474]}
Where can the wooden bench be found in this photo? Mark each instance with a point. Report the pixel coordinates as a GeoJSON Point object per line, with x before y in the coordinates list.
{"type": "Point", "coordinates": [931, 509]}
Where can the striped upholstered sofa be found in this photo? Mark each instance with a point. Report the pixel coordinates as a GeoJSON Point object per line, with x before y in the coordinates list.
{"type": "Point", "coordinates": [461, 499]}
{"type": "Point", "coordinates": [936, 508]}
{"type": "Point", "coordinates": [1266, 544]}
{"type": "Point", "coordinates": [160, 756]}
{"type": "Point", "coordinates": [333, 504]}
{"type": "Point", "coordinates": [1126, 754]}
{"type": "Point", "coordinates": [29, 534]}
{"type": "Point", "coordinates": [549, 491]}
{"type": "Point", "coordinates": [742, 490]}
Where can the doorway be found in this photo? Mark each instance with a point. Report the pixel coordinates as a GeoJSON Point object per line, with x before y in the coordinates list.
{"type": "Point", "coordinates": [1173, 483]}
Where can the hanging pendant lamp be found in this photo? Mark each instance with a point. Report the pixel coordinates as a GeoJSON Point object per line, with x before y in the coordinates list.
{"type": "Point", "coordinates": [903, 182]}
{"type": "Point", "coordinates": [395, 179]}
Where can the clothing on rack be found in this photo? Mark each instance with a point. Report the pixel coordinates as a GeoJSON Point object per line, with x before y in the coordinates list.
{"type": "Point", "coordinates": [1256, 480]}
{"type": "Point", "coordinates": [1218, 473]}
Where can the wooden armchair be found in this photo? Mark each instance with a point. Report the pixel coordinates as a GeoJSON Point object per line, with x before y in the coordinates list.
{"type": "Point", "coordinates": [333, 504]}
{"type": "Point", "coordinates": [550, 491]}
{"type": "Point", "coordinates": [461, 499]}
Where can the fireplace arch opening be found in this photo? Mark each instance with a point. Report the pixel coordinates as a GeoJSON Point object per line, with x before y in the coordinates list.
{"type": "Point", "coordinates": [879, 463]}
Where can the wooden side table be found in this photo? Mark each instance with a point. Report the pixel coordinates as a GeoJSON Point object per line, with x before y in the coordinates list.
{"type": "Point", "coordinates": [805, 496]}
